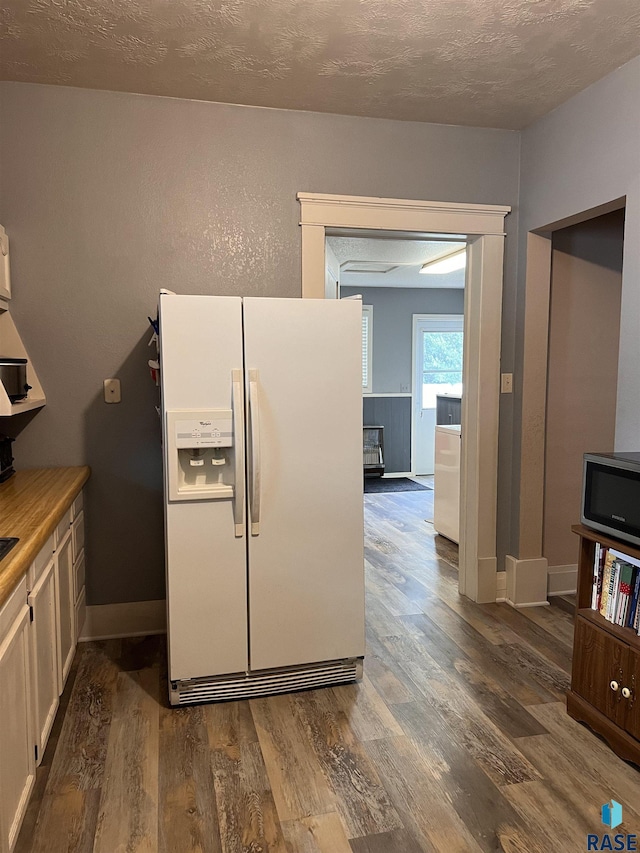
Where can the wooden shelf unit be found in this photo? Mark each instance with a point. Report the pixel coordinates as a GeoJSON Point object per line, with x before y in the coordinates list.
{"type": "Point", "coordinates": [11, 346]}
{"type": "Point", "coordinates": [604, 653]}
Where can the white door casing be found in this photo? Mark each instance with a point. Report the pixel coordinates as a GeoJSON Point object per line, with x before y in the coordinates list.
{"type": "Point", "coordinates": [483, 227]}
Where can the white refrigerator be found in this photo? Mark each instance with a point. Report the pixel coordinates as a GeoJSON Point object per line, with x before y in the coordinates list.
{"type": "Point", "coordinates": [262, 437]}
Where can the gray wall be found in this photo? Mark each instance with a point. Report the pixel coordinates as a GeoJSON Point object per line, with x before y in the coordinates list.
{"type": "Point", "coordinates": [584, 154]}
{"type": "Point", "coordinates": [393, 309]}
{"type": "Point", "coordinates": [108, 197]}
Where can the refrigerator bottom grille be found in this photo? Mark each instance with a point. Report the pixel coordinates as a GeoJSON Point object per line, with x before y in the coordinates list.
{"type": "Point", "coordinates": [264, 683]}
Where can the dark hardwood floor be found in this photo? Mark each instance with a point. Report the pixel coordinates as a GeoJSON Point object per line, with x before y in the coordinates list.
{"type": "Point", "coordinates": [457, 739]}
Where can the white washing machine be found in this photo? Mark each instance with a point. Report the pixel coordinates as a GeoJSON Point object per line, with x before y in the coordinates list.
{"type": "Point", "coordinates": [446, 482]}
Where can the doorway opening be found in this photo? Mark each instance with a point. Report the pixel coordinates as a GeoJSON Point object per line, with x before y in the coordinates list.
{"type": "Point", "coordinates": [436, 383]}
{"type": "Point", "coordinates": [570, 400]}
{"type": "Point", "coordinates": [481, 227]}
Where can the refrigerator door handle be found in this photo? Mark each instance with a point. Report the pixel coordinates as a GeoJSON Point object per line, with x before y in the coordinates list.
{"type": "Point", "coordinates": [238, 454]}
{"type": "Point", "coordinates": [254, 482]}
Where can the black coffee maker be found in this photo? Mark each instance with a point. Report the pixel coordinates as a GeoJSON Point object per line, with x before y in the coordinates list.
{"type": "Point", "coordinates": [6, 458]}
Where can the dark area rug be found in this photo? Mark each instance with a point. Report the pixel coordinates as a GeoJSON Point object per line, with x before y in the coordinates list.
{"type": "Point", "coordinates": [376, 485]}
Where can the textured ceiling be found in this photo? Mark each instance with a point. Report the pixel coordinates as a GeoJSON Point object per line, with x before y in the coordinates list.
{"type": "Point", "coordinates": [491, 63]}
{"type": "Point", "coordinates": [405, 257]}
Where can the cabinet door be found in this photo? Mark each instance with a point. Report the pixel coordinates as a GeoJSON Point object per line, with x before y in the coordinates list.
{"type": "Point", "coordinates": [632, 681]}
{"type": "Point", "coordinates": [599, 660]}
{"type": "Point", "coordinates": [77, 533]}
{"type": "Point", "coordinates": [17, 756]}
{"type": "Point", "coordinates": [44, 656]}
{"type": "Point", "coordinates": [66, 608]}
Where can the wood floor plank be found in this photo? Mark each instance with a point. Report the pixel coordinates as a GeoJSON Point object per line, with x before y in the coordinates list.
{"type": "Point", "coordinates": [188, 813]}
{"type": "Point", "coordinates": [395, 601]}
{"type": "Point", "coordinates": [68, 812]}
{"type": "Point", "coordinates": [582, 792]}
{"type": "Point", "coordinates": [589, 756]}
{"type": "Point", "coordinates": [554, 621]}
{"type": "Point", "coordinates": [128, 818]}
{"type": "Point", "coordinates": [418, 797]}
{"type": "Point", "coordinates": [295, 775]}
{"type": "Point", "coordinates": [247, 814]}
{"type": "Point", "coordinates": [478, 802]}
{"type": "Point", "coordinates": [499, 706]}
{"type": "Point", "coordinates": [317, 834]}
{"type": "Point", "coordinates": [386, 682]}
{"type": "Point", "coordinates": [396, 841]}
{"type": "Point", "coordinates": [384, 623]}
{"type": "Point", "coordinates": [502, 661]}
{"type": "Point", "coordinates": [365, 711]}
{"type": "Point", "coordinates": [360, 797]}
{"type": "Point", "coordinates": [532, 634]}
{"type": "Point", "coordinates": [550, 821]}
{"type": "Point", "coordinates": [466, 722]}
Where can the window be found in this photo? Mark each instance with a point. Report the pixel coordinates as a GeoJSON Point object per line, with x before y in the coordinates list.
{"type": "Point", "coordinates": [367, 349]}
{"type": "Point", "coordinates": [439, 357]}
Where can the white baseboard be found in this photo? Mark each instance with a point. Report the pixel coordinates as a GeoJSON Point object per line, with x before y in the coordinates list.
{"type": "Point", "coordinates": [526, 582]}
{"type": "Point", "coordinates": [128, 619]}
{"type": "Point", "coordinates": [397, 474]}
{"type": "Point", "coordinates": [562, 580]}
{"type": "Point", "coordinates": [501, 586]}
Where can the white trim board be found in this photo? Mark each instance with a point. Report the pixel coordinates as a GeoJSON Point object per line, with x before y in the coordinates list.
{"type": "Point", "coordinates": [562, 580]}
{"type": "Point", "coordinates": [501, 586]}
{"type": "Point", "coordinates": [526, 582]}
{"type": "Point", "coordinates": [392, 474]}
{"type": "Point", "coordinates": [126, 619]}
{"type": "Point", "coordinates": [388, 394]}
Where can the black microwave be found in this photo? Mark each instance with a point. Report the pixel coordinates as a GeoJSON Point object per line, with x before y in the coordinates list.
{"type": "Point", "coordinates": [611, 494]}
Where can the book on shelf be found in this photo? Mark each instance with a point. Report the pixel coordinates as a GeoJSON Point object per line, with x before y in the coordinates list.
{"type": "Point", "coordinates": [633, 604]}
{"type": "Point", "coordinates": [597, 577]}
{"type": "Point", "coordinates": [612, 598]}
{"type": "Point", "coordinates": [615, 591]}
{"type": "Point", "coordinates": [606, 578]}
{"type": "Point", "coordinates": [624, 591]}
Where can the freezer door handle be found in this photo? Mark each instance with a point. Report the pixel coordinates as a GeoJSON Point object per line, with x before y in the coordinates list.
{"type": "Point", "coordinates": [238, 453]}
{"type": "Point", "coordinates": [254, 482]}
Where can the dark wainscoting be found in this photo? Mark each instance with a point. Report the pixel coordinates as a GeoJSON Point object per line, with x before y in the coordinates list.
{"type": "Point", "coordinates": [394, 414]}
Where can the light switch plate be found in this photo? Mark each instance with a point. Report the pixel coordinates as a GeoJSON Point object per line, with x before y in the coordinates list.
{"type": "Point", "coordinates": [506, 383]}
{"type": "Point", "coordinates": [112, 391]}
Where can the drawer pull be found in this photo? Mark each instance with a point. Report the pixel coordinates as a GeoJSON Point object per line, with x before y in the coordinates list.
{"type": "Point", "coordinates": [626, 693]}
{"type": "Point", "coordinates": [614, 686]}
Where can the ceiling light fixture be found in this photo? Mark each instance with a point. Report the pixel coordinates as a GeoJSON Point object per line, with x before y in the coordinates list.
{"type": "Point", "coordinates": [449, 263]}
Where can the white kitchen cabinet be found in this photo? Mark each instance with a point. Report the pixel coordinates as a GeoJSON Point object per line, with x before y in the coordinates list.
{"type": "Point", "coordinates": [37, 633]}
{"type": "Point", "coordinates": [44, 655]}
{"type": "Point", "coordinates": [66, 605]}
{"type": "Point", "coordinates": [17, 754]}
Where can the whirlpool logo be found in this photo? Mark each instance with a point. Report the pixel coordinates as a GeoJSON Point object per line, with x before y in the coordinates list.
{"type": "Point", "coordinates": [611, 814]}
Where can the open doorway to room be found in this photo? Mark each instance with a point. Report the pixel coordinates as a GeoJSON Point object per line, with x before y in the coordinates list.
{"type": "Point", "coordinates": [570, 395]}
{"type": "Point", "coordinates": [482, 228]}
{"type": "Point", "coordinates": [582, 375]}
{"type": "Point", "coordinates": [412, 359]}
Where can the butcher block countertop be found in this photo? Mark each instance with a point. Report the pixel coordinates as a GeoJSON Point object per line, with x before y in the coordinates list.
{"type": "Point", "coordinates": [32, 503]}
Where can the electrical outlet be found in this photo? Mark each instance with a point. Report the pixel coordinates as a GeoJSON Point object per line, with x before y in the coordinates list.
{"type": "Point", "coordinates": [112, 392]}
{"type": "Point", "coordinates": [506, 383]}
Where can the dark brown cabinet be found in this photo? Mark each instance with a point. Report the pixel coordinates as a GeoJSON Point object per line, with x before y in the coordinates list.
{"type": "Point", "coordinates": [605, 674]}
